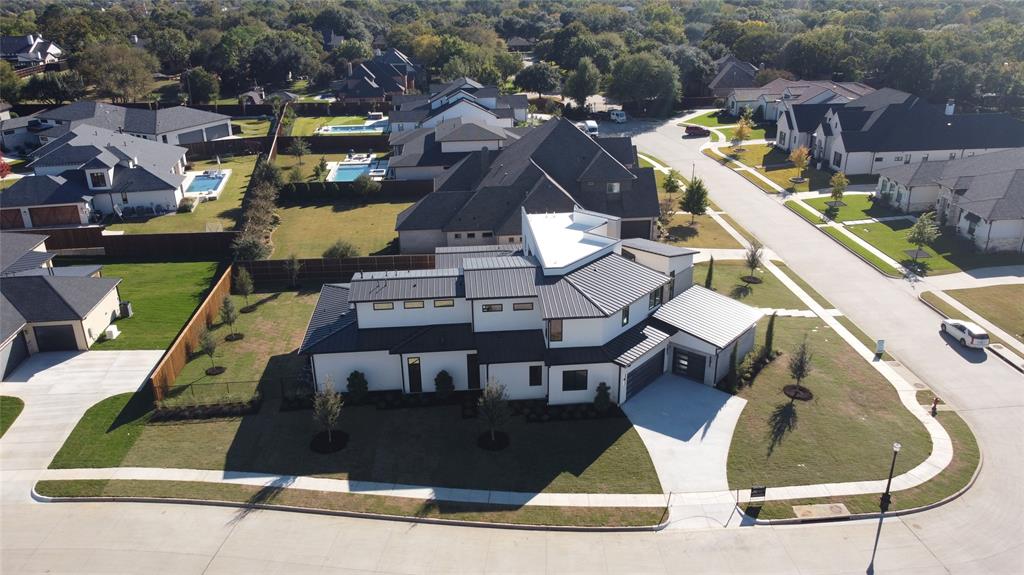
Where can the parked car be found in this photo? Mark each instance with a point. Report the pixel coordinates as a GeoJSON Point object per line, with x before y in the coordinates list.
{"type": "Point", "coordinates": [967, 333]}
{"type": "Point", "coordinates": [697, 131]}
{"type": "Point", "coordinates": [617, 116]}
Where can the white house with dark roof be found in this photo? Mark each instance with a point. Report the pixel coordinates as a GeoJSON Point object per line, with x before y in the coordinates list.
{"type": "Point", "coordinates": [767, 101]}
{"type": "Point", "coordinates": [464, 98]}
{"type": "Point", "coordinates": [425, 153]}
{"type": "Point", "coordinates": [981, 197]}
{"type": "Point", "coordinates": [43, 308]}
{"type": "Point", "coordinates": [28, 50]}
{"type": "Point", "coordinates": [571, 308]}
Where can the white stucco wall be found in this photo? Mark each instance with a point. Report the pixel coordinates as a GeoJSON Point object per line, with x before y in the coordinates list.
{"type": "Point", "coordinates": [516, 379]}
{"type": "Point", "coordinates": [999, 235]}
{"type": "Point", "coordinates": [508, 319]}
{"type": "Point", "coordinates": [100, 317]}
{"type": "Point", "coordinates": [596, 374]}
{"type": "Point", "coordinates": [454, 362]}
{"type": "Point", "coordinates": [589, 332]}
{"type": "Point", "coordinates": [168, 199]}
{"type": "Point", "coordinates": [399, 316]}
{"type": "Point", "coordinates": [383, 371]}
{"type": "Point", "coordinates": [420, 241]}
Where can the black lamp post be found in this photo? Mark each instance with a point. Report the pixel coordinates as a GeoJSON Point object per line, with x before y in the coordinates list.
{"type": "Point", "coordinates": [886, 498]}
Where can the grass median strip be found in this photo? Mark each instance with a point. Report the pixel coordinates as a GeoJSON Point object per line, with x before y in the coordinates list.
{"type": "Point", "coordinates": [10, 409]}
{"type": "Point", "coordinates": [858, 249]}
{"type": "Point", "coordinates": [990, 303]}
{"type": "Point", "coordinates": [817, 297]}
{"type": "Point", "coordinates": [860, 335]}
{"type": "Point", "coordinates": [799, 209]}
{"type": "Point", "coordinates": [357, 503]}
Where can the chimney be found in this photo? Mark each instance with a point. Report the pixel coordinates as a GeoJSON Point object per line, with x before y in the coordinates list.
{"type": "Point", "coordinates": [950, 107]}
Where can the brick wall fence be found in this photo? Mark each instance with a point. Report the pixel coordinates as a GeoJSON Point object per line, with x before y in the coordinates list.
{"type": "Point", "coordinates": [274, 272]}
{"type": "Point", "coordinates": [178, 354]}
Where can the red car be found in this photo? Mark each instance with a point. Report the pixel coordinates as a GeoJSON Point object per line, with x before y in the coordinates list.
{"type": "Point", "coordinates": [697, 131]}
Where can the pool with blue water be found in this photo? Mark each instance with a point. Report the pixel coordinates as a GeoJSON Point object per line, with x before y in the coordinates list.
{"type": "Point", "coordinates": [204, 183]}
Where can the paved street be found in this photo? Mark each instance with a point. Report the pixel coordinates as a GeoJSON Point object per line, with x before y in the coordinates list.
{"type": "Point", "coordinates": [980, 532]}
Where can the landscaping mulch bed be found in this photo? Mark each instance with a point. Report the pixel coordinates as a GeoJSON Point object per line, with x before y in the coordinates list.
{"type": "Point", "coordinates": [499, 442]}
{"type": "Point", "coordinates": [798, 393]}
{"type": "Point", "coordinates": [322, 444]}
{"type": "Point", "coordinates": [216, 370]}
{"type": "Point", "coordinates": [235, 337]}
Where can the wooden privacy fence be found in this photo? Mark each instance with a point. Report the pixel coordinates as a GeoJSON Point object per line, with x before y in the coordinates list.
{"type": "Point", "coordinates": [176, 356]}
{"type": "Point", "coordinates": [337, 144]}
{"type": "Point", "coordinates": [197, 246]}
{"type": "Point", "coordinates": [235, 147]}
{"type": "Point", "coordinates": [332, 270]}
{"type": "Point", "coordinates": [305, 192]}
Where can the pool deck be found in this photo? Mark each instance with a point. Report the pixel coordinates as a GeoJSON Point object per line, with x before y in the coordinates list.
{"type": "Point", "coordinates": [370, 163]}
{"type": "Point", "coordinates": [209, 194]}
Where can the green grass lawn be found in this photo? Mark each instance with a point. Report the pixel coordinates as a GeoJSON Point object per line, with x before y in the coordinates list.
{"type": "Point", "coordinates": [754, 155]}
{"type": "Point", "coordinates": [817, 297]}
{"type": "Point", "coordinates": [713, 119]}
{"type": "Point", "coordinates": [955, 477]}
{"type": "Point", "coordinates": [307, 125]}
{"type": "Point", "coordinates": [704, 232]}
{"type": "Point", "coordinates": [776, 167]}
{"type": "Point", "coordinates": [844, 434]}
{"type": "Point", "coordinates": [265, 354]}
{"type": "Point", "coordinates": [758, 132]}
{"type": "Point", "coordinates": [357, 502]}
{"type": "Point", "coordinates": [10, 409]}
{"type": "Point", "coordinates": [220, 214]}
{"type": "Point", "coordinates": [736, 226]}
{"type": "Point", "coordinates": [803, 212]}
{"type": "Point", "coordinates": [948, 254]}
{"type": "Point", "coordinates": [250, 127]}
{"type": "Point", "coordinates": [860, 335]}
{"type": "Point", "coordinates": [726, 280]}
{"type": "Point", "coordinates": [856, 248]}
{"type": "Point", "coordinates": [368, 227]}
{"type": "Point", "coordinates": [163, 297]}
{"type": "Point", "coordinates": [288, 163]}
{"type": "Point", "coordinates": [857, 207]}
{"type": "Point", "coordinates": [1002, 305]}
{"type": "Point", "coordinates": [106, 432]}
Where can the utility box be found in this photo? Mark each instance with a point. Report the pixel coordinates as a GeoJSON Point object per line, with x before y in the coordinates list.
{"type": "Point", "coordinates": [126, 309]}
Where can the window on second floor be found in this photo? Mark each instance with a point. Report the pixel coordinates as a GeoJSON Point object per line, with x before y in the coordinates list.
{"type": "Point", "coordinates": [444, 303]}
{"type": "Point", "coordinates": [471, 235]}
{"type": "Point", "coordinates": [383, 305]}
{"type": "Point", "coordinates": [612, 188]}
{"type": "Point", "coordinates": [414, 304]}
{"type": "Point", "coordinates": [488, 307]}
{"type": "Point", "coordinates": [98, 180]}
{"type": "Point", "coordinates": [487, 235]}
{"type": "Point", "coordinates": [554, 330]}
{"type": "Point", "coordinates": [654, 299]}
{"type": "Point", "coordinates": [523, 306]}
{"type": "Point", "coordinates": [625, 315]}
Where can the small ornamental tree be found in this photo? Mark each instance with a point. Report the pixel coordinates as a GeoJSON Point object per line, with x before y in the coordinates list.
{"type": "Point", "coordinates": [708, 279]}
{"type": "Point", "coordinates": [243, 284]}
{"type": "Point", "coordinates": [320, 170]}
{"type": "Point", "coordinates": [801, 158]}
{"type": "Point", "coordinates": [755, 251]}
{"type": "Point", "coordinates": [665, 212]}
{"type": "Point", "coordinates": [339, 250]}
{"type": "Point", "coordinates": [229, 315]}
{"type": "Point", "coordinates": [358, 387]}
{"type": "Point", "coordinates": [923, 232]}
{"type": "Point", "coordinates": [444, 385]}
{"type": "Point", "coordinates": [208, 346]}
{"type": "Point", "coordinates": [838, 182]}
{"type": "Point", "coordinates": [741, 133]}
{"type": "Point", "coordinates": [800, 364]}
{"type": "Point", "coordinates": [603, 398]}
{"type": "Point", "coordinates": [364, 185]}
{"type": "Point", "coordinates": [746, 115]}
{"type": "Point", "coordinates": [493, 407]}
{"type": "Point", "coordinates": [327, 405]}
{"type": "Point", "coordinates": [293, 267]}
{"type": "Point", "coordinates": [732, 378]}
{"type": "Point", "coordinates": [299, 148]}
{"type": "Point", "coordinates": [673, 182]}
{"type": "Point", "coordinates": [695, 199]}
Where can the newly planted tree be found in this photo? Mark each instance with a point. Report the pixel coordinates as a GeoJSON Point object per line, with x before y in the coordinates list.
{"type": "Point", "coordinates": [799, 369]}
{"type": "Point", "coordinates": [673, 182]}
{"type": "Point", "coordinates": [923, 232]}
{"type": "Point", "coordinates": [208, 346]}
{"type": "Point", "coordinates": [708, 279]}
{"type": "Point", "coordinates": [293, 267]}
{"type": "Point", "coordinates": [732, 378]}
{"type": "Point", "coordinates": [769, 337]}
{"type": "Point", "coordinates": [740, 134]}
{"type": "Point", "coordinates": [320, 170]}
{"type": "Point", "coordinates": [493, 408]}
{"type": "Point", "coordinates": [752, 257]}
{"type": "Point", "coordinates": [228, 316]}
{"type": "Point", "coordinates": [695, 199]}
{"type": "Point", "coordinates": [839, 182]}
{"type": "Point", "coordinates": [801, 158]}
{"type": "Point", "coordinates": [327, 404]}
{"type": "Point", "coordinates": [299, 148]}
{"type": "Point", "coordinates": [243, 284]}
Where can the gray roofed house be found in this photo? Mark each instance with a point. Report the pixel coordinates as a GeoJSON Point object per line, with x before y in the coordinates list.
{"type": "Point", "coordinates": [28, 50]}
{"type": "Point", "coordinates": [662, 249]}
{"type": "Point", "coordinates": [426, 153]}
{"type": "Point", "coordinates": [388, 74]}
{"type": "Point", "coordinates": [405, 285]}
{"type": "Point", "coordinates": [461, 98]}
{"type": "Point", "coordinates": [18, 252]}
{"type": "Point", "coordinates": [707, 315]}
{"type": "Point", "coordinates": [731, 73]}
{"type": "Point", "coordinates": [613, 282]}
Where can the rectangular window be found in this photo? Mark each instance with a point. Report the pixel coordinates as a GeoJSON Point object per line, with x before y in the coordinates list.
{"type": "Point", "coordinates": [458, 236]}
{"type": "Point", "coordinates": [536, 375]}
{"type": "Point", "coordinates": [124, 197]}
{"type": "Point", "coordinates": [837, 159]}
{"type": "Point", "coordinates": [952, 155]}
{"type": "Point", "coordinates": [444, 303]}
{"type": "Point", "coordinates": [899, 158]}
{"type": "Point", "coordinates": [879, 158]}
{"type": "Point", "coordinates": [383, 305]}
{"type": "Point", "coordinates": [164, 138]}
{"type": "Point", "coordinates": [527, 306]}
{"type": "Point", "coordinates": [98, 179]}
{"type": "Point", "coordinates": [487, 235]}
{"type": "Point", "coordinates": [555, 330]}
{"type": "Point", "coordinates": [491, 307]}
{"type": "Point", "coordinates": [414, 304]}
{"type": "Point", "coordinates": [471, 235]}
{"type": "Point", "coordinates": [574, 380]}
{"type": "Point", "coordinates": [654, 299]}
{"type": "Point", "coordinates": [672, 283]}
{"type": "Point", "coordinates": [625, 315]}
{"type": "Point", "coordinates": [511, 240]}
{"type": "Point", "coordinates": [612, 188]}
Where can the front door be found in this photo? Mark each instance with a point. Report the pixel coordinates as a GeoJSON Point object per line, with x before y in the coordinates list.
{"type": "Point", "coordinates": [688, 364]}
{"type": "Point", "coordinates": [415, 379]}
{"type": "Point", "coordinates": [473, 369]}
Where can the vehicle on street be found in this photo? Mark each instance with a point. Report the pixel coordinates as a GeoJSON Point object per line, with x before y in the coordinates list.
{"type": "Point", "coordinates": [967, 333]}
{"type": "Point", "coordinates": [618, 116]}
{"type": "Point", "coordinates": [590, 127]}
{"type": "Point", "coordinates": [697, 131]}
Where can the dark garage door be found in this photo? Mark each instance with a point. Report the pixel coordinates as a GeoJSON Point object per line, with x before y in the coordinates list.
{"type": "Point", "coordinates": [55, 337]}
{"type": "Point", "coordinates": [13, 354]}
{"type": "Point", "coordinates": [636, 229]}
{"type": "Point", "coordinates": [688, 364]}
{"type": "Point", "coordinates": [643, 375]}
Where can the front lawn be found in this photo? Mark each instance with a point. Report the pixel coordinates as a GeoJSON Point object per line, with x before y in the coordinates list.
{"type": "Point", "coordinates": [163, 297]}
{"type": "Point", "coordinates": [713, 119]}
{"type": "Point", "coordinates": [106, 432]}
{"type": "Point", "coordinates": [10, 409]}
{"type": "Point", "coordinates": [307, 230]}
{"type": "Point", "coordinates": [858, 207]}
{"type": "Point", "coordinates": [308, 125]}
{"type": "Point", "coordinates": [756, 155]}
{"type": "Point", "coordinates": [879, 264]}
{"type": "Point", "coordinates": [844, 434]}
{"type": "Point", "coordinates": [266, 353]}
{"type": "Point", "coordinates": [704, 232]}
{"type": "Point", "coordinates": [991, 303]}
{"type": "Point", "coordinates": [770, 293]}
{"type": "Point", "coordinates": [220, 214]}
{"type": "Point", "coordinates": [799, 209]}
{"type": "Point", "coordinates": [948, 254]}
{"type": "Point", "coordinates": [250, 127]}
{"type": "Point", "coordinates": [757, 132]}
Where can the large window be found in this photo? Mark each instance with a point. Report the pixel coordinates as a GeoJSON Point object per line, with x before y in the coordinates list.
{"type": "Point", "coordinates": [383, 305]}
{"type": "Point", "coordinates": [612, 188]}
{"type": "Point", "coordinates": [491, 307]}
{"type": "Point", "coordinates": [554, 330]}
{"type": "Point", "coordinates": [444, 303]}
{"type": "Point", "coordinates": [574, 380]}
{"type": "Point", "coordinates": [414, 304]}
{"type": "Point", "coordinates": [654, 299]}
{"type": "Point", "coordinates": [536, 375]}
{"type": "Point", "coordinates": [525, 306]}
{"type": "Point", "coordinates": [625, 315]}
{"type": "Point", "coordinates": [98, 179]}
{"type": "Point", "coordinates": [837, 159]}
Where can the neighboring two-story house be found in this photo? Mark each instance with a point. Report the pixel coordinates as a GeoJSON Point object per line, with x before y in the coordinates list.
{"type": "Point", "coordinates": [888, 128]}
{"type": "Point", "coordinates": [91, 168]}
{"type": "Point", "coordinates": [425, 153]}
{"type": "Point", "coordinates": [28, 50]}
{"type": "Point", "coordinates": [801, 108]}
{"type": "Point", "coordinates": [767, 101]}
{"type": "Point", "coordinates": [388, 74]}
{"type": "Point", "coordinates": [552, 168]}
{"type": "Point", "coordinates": [571, 308]}
{"type": "Point", "coordinates": [465, 99]}
{"type": "Point", "coordinates": [731, 74]}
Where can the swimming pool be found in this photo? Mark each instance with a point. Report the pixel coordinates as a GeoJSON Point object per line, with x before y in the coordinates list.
{"type": "Point", "coordinates": [204, 183]}
{"type": "Point", "coordinates": [368, 127]}
{"type": "Point", "coordinates": [349, 173]}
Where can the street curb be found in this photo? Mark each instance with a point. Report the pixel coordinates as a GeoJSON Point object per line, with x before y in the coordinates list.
{"type": "Point", "coordinates": [900, 513]}
{"type": "Point", "coordinates": [36, 496]}
{"type": "Point", "coordinates": [995, 351]}
{"type": "Point", "coordinates": [786, 204]}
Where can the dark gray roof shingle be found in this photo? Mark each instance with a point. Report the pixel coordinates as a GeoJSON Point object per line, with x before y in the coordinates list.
{"type": "Point", "coordinates": [55, 298]}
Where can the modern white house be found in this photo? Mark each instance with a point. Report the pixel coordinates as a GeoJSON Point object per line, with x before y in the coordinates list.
{"type": "Point", "coordinates": [571, 308]}
{"type": "Point", "coordinates": [465, 99]}
{"type": "Point", "coordinates": [981, 197]}
{"type": "Point", "coordinates": [802, 106]}
{"type": "Point", "coordinates": [889, 128]}
{"type": "Point", "coordinates": [43, 308]}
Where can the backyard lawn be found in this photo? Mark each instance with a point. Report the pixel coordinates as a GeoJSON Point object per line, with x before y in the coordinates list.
{"type": "Point", "coordinates": [220, 214]}
{"type": "Point", "coordinates": [947, 255]}
{"type": "Point", "coordinates": [307, 125]}
{"type": "Point", "coordinates": [858, 207]}
{"type": "Point", "coordinates": [844, 434]}
{"type": "Point", "coordinates": [770, 293]}
{"type": "Point", "coordinates": [266, 353]}
{"type": "Point", "coordinates": [288, 162]}
{"type": "Point", "coordinates": [309, 229]}
{"type": "Point", "coordinates": [10, 409]}
{"type": "Point", "coordinates": [250, 127]}
{"type": "Point", "coordinates": [1002, 305]}
{"type": "Point", "coordinates": [704, 232]}
{"type": "Point", "coordinates": [163, 297]}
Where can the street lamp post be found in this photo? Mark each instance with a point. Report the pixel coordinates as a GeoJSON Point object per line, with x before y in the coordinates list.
{"type": "Point", "coordinates": [886, 497]}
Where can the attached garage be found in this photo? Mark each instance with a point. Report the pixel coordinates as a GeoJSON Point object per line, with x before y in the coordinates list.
{"type": "Point", "coordinates": [12, 354]}
{"type": "Point", "coordinates": [635, 229]}
{"type": "Point", "coordinates": [644, 374]}
{"type": "Point", "coordinates": [55, 216]}
{"type": "Point", "coordinates": [55, 337]}
{"type": "Point", "coordinates": [689, 364]}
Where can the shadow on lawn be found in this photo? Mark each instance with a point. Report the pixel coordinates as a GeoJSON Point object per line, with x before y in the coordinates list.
{"type": "Point", "coordinates": [683, 232]}
{"type": "Point", "coordinates": [783, 420]}
{"type": "Point", "coordinates": [139, 406]}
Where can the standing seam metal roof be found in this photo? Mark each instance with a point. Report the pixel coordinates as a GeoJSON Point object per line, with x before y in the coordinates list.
{"type": "Point", "coordinates": [613, 282]}
{"type": "Point", "coordinates": [708, 315]}
{"type": "Point", "coordinates": [501, 283]}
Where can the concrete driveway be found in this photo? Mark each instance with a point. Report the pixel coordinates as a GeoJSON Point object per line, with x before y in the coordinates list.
{"type": "Point", "coordinates": [687, 428]}
{"type": "Point", "coordinates": [57, 388]}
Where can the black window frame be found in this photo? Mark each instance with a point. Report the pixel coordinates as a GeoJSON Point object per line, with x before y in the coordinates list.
{"type": "Point", "coordinates": [444, 303]}
{"type": "Point", "coordinates": [625, 316]}
{"type": "Point", "coordinates": [383, 305]}
{"type": "Point", "coordinates": [654, 300]}
{"type": "Point", "coordinates": [470, 235]}
{"type": "Point", "coordinates": [560, 331]}
{"type": "Point", "coordinates": [523, 306]}
{"type": "Point", "coordinates": [536, 375]}
{"type": "Point", "coordinates": [571, 380]}
{"type": "Point", "coordinates": [102, 177]}
{"type": "Point", "coordinates": [492, 307]}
